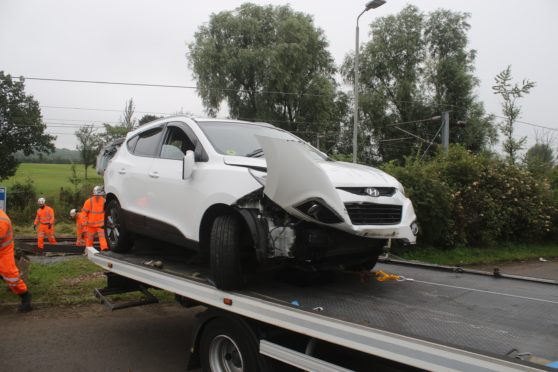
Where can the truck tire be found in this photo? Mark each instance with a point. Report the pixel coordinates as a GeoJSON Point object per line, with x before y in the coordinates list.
{"type": "Point", "coordinates": [227, 345]}
{"type": "Point", "coordinates": [225, 253]}
{"type": "Point", "coordinates": [118, 238]}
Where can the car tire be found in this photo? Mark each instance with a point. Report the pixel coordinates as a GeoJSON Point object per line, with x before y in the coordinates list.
{"type": "Point", "coordinates": [118, 238]}
{"type": "Point", "coordinates": [228, 345]}
{"type": "Point", "coordinates": [226, 252]}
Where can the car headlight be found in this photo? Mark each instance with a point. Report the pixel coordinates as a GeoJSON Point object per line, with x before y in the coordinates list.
{"type": "Point", "coordinates": [259, 176]}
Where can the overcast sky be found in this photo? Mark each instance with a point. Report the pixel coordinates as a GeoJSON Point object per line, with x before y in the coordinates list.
{"type": "Point", "coordinates": [146, 42]}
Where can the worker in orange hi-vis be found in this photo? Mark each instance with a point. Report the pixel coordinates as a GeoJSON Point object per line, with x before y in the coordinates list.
{"type": "Point", "coordinates": [8, 268]}
{"type": "Point", "coordinates": [94, 211]}
{"type": "Point", "coordinates": [44, 224]}
{"type": "Point", "coordinates": [81, 226]}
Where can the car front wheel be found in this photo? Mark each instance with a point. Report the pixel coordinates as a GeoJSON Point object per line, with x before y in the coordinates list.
{"type": "Point", "coordinates": [228, 253]}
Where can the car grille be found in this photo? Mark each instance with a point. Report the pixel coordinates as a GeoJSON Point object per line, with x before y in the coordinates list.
{"type": "Point", "coordinates": [374, 214]}
{"type": "Point", "coordinates": [384, 191]}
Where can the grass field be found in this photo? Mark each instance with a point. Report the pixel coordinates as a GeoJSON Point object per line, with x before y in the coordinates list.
{"type": "Point", "coordinates": [49, 178]}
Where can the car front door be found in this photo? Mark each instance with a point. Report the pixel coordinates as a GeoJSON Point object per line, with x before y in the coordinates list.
{"type": "Point", "coordinates": [174, 197]}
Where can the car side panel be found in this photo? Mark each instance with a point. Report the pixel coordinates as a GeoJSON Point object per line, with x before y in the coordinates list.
{"type": "Point", "coordinates": [182, 203]}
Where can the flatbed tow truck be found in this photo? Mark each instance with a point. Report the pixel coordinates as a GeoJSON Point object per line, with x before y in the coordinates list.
{"type": "Point", "coordinates": [432, 318]}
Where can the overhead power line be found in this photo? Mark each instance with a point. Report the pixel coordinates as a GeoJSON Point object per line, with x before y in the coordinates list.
{"type": "Point", "coordinates": [178, 86]}
{"type": "Point", "coordinates": [164, 86]}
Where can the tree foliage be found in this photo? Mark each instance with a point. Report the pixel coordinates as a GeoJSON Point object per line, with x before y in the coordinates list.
{"type": "Point", "coordinates": [127, 124]}
{"type": "Point", "coordinates": [416, 66]}
{"type": "Point", "coordinates": [510, 93]}
{"type": "Point", "coordinates": [147, 118]}
{"type": "Point", "coordinates": [21, 126]}
{"type": "Point", "coordinates": [268, 63]}
{"type": "Point", "coordinates": [89, 145]}
{"type": "Point", "coordinates": [540, 159]}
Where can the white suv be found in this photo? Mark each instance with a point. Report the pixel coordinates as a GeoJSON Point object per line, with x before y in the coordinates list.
{"type": "Point", "coordinates": [244, 194]}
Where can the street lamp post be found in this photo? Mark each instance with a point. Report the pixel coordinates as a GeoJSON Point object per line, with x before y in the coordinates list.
{"type": "Point", "coordinates": [370, 5]}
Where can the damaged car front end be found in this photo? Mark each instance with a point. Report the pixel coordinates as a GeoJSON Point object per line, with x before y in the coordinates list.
{"type": "Point", "coordinates": [313, 209]}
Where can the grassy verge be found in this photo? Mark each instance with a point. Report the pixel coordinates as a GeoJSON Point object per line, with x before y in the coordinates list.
{"type": "Point", "coordinates": [60, 228]}
{"type": "Point", "coordinates": [471, 256]}
{"type": "Point", "coordinates": [70, 282]}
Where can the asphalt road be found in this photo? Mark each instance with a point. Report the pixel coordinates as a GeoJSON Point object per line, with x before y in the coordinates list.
{"type": "Point", "coordinates": [92, 338]}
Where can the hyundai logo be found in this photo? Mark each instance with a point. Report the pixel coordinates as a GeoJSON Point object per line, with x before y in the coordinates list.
{"type": "Point", "coordinates": [371, 191]}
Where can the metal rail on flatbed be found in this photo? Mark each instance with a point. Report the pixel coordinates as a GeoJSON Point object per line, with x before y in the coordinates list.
{"type": "Point", "coordinates": [378, 342]}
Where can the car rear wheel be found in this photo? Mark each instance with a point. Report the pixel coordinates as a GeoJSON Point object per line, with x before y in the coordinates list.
{"type": "Point", "coordinates": [228, 253]}
{"type": "Point", "coordinates": [118, 238]}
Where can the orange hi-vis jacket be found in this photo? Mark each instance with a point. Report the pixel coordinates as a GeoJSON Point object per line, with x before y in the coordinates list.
{"type": "Point", "coordinates": [6, 232]}
{"type": "Point", "coordinates": [8, 269]}
{"type": "Point", "coordinates": [81, 225]}
{"type": "Point", "coordinates": [94, 211]}
{"type": "Point", "coordinates": [45, 216]}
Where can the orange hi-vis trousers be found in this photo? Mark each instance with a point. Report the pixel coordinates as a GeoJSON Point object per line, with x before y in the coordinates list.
{"type": "Point", "coordinates": [42, 231]}
{"type": "Point", "coordinates": [9, 271]}
{"type": "Point", "coordinates": [91, 231]}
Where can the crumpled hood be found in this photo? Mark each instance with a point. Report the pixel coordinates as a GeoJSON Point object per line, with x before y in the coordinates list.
{"type": "Point", "coordinates": [341, 174]}
{"type": "Point", "coordinates": [344, 174]}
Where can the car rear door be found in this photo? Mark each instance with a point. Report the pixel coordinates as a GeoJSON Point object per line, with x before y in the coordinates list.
{"type": "Point", "coordinates": [136, 192]}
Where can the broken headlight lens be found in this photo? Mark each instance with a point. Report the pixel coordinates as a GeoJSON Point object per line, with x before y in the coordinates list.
{"type": "Point", "coordinates": [319, 211]}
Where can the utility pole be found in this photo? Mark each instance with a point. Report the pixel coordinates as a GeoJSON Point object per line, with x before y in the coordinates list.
{"type": "Point", "coordinates": [445, 130]}
{"type": "Point", "coordinates": [370, 5]}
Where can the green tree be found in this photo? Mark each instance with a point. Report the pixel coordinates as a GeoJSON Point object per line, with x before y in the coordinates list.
{"type": "Point", "coordinates": [89, 144]}
{"type": "Point", "coordinates": [21, 126]}
{"type": "Point", "coordinates": [416, 66]}
{"type": "Point", "coordinates": [510, 93]}
{"type": "Point", "coordinates": [540, 159]}
{"type": "Point", "coordinates": [127, 124]}
{"type": "Point", "coordinates": [268, 63]}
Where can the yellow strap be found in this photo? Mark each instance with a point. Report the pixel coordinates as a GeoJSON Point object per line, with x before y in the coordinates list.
{"type": "Point", "coordinates": [382, 276]}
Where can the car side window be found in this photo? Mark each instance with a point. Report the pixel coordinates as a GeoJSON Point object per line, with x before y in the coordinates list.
{"type": "Point", "coordinates": [176, 144]}
{"type": "Point", "coordinates": [148, 142]}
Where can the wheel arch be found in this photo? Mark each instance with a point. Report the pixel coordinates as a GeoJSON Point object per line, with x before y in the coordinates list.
{"type": "Point", "coordinates": [257, 227]}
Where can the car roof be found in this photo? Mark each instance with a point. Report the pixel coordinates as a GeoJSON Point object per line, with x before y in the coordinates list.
{"type": "Point", "coordinates": [197, 120]}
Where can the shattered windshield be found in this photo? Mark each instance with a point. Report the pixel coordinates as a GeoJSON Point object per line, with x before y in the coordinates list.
{"type": "Point", "coordinates": [239, 139]}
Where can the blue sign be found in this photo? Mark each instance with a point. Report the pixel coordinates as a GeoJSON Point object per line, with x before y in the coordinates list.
{"type": "Point", "coordinates": [3, 195]}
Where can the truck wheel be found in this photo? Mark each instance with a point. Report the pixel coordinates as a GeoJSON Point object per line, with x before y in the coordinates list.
{"type": "Point", "coordinates": [226, 253]}
{"type": "Point", "coordinates": [226, 345]}
{"type": "Point", "coordinates": [118, 238]}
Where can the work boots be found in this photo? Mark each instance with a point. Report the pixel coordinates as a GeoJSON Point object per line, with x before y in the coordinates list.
{"type": "Point", "coordinates": [25, 302]}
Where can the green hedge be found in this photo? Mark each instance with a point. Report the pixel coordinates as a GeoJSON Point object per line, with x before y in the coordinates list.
{"type": "Point", "coordinates": [465, 199]}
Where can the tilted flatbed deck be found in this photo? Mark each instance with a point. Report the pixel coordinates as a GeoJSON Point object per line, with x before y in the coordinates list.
{"type": "Point", "coordinates": [433, 319]}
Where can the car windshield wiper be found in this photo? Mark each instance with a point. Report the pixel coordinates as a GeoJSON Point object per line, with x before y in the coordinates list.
{"type": "Point", "coordinates": [255, 153]}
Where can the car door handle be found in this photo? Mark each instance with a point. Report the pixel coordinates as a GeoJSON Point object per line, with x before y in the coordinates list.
{"type": "Point", "coordinates": [154, 174]}
{"type": "Point", "coordinates": [122, 171]}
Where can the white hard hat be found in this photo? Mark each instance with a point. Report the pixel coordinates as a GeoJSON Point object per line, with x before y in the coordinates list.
{"type": "Point", "coordinates": [98, 190]}
{"type": "Point", "coordinates": [73, 213]}
{"type": "Point", "coordinates": [41, 201]}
